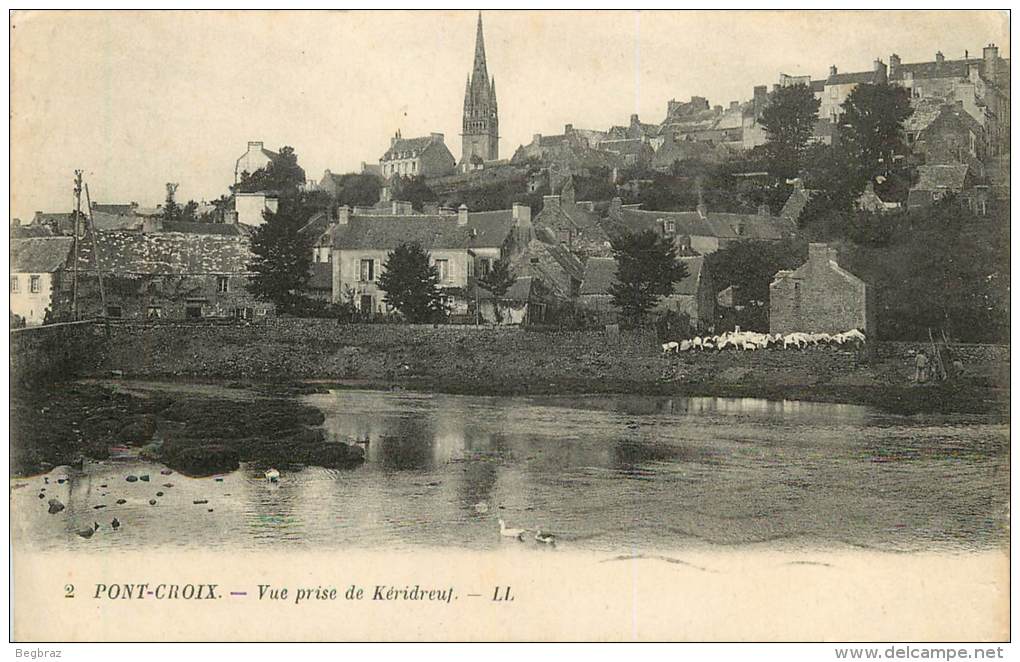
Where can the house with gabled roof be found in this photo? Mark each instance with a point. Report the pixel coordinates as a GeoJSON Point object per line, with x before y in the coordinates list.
{"type": "Point", "coordinates": [37, 266]}
{"type": "Point", "coordinates": [820, 297]}
{"type": "Point", "coordinates": [173, 275]}
{"type": "Point", "coordinates": [426, 156]}
{"type": "Point", "coordinates": [462, 246]}
{"type": "Point", "coordinates": [255, 158]}
{"type": "Point", "coordinates": [936, 182]}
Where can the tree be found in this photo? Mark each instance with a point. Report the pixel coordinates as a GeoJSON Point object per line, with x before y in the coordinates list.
{"type": "Point", "coordinates": [412, 284]}
{"type": "Point", "coordinates": [358, 190]}
{"type": "Point", "coordinates": [646, 268]}
{"type": "Point", "coordinates": [749, 267]}
{"type": "Point", "coordinates": [189, 212]}
{"type": "Point", "coordinates": [412, 189]}
{"type": "Point", "coordinates": [282, 175]}
{"type": "Point", "coordinates": [171, 210]}
{"type": "Point", "coordinates": [789, 120]}
{"type": "Point", "coordinates": [499, 279]}
{"type": "Point", "coordinates": [872, 125]}
{"type": "Point", "coordinates": [282, 256]}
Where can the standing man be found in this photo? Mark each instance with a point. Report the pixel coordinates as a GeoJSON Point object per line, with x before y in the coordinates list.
{"type": "Point", "coordinates": [921, 367]}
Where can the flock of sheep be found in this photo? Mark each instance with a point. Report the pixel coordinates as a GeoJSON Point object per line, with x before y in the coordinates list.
{"type": "Point", "coordinates": [750, 340]}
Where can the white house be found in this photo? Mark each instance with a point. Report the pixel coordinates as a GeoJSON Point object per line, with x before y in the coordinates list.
{"type": "Point", "coordinates": [36, 267]}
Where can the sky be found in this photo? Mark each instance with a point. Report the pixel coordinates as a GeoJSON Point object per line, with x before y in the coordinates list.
{"type": "Point", "coordinates": [138, 99]}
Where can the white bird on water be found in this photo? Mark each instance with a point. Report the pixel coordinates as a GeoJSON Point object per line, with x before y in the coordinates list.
{"type": "Point", "coordinates": [272, 475]}
{"type": "Point", "coordinates": [510, 533]}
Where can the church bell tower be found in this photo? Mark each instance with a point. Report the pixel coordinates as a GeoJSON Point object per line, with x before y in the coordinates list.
{"type": "Point", "coordinates": [481, 115]}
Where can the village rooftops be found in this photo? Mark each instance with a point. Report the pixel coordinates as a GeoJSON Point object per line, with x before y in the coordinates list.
{"type": "Point", "coordinates": [166, 253]}
{"type": "Point", "coordinates": [404, 148]}
{"type": "Point", "coordinates": [722, 225]}
{"type": "Point", "coordinates": [40, 254]}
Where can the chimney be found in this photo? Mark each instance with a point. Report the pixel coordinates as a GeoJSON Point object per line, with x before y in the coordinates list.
{"type": "Point", "coordinates": [717, 108]}
{"type": "Point", "coordinates": [819, 255]}
{"type": "Point", "coordinates": [894, 64]}
{"type": "Point", "coordinates": [881, 75]}
{"type": "Point", "coordinates": [438, 138]}
{"type": "Point", "coordinates": [939, 58]}
{"type": "Point", "coordinates": [536, 139]}
{"type": "Point", "coordinates": [521, 215]}
{"type": "Point", "coordinates": [634, 119]}
{"type": "Point", "coordinates": [254, 145]}
{"type": "Point", "coordinates": [16, 222]}
{"type": "Point", "coordinates": [551, 203]}
{"type": "Point", "coordinates": [734, 105]}
{"type": "Point", "coordinates": [991, 57]}
{"type": "Point", "coordinates": [568, 128]}
{"type": "Point", "coordinates": [462, 215]}
{"type": "Point", "coordinates": [833, 71]}
{"type": "Point", "coordinates": [343, 215]}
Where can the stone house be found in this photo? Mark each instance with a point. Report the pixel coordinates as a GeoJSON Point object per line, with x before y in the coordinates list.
{"type": "Point", "coordinates": [250, 208]}
{"type": "Point", "coordinates": [944, 133]}
{"type": "Point", "coordinates": [692, 296]}
{"type": "Point", "coordinates": [37, 266]}
{"type": "Point", "coordinates": [575, 225]}
{"type": "Point", "coordinates": [545, 260]}
{"type": "Point", "coordinates": [172, 275]}
{"type": "Point", "coordinates": [427, 156]}
{"type": "Point", "coordinates": [838, 86]}
{"type": "Point", "coordinates": [462, 247]}
{"type": "Point", "coordinates": [820, 297]}
{"type": "Point", "coordinates": [938, 181]}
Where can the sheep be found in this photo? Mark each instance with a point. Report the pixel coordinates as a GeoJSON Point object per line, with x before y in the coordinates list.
{"type": "Point", "coordinates": [671, 346]}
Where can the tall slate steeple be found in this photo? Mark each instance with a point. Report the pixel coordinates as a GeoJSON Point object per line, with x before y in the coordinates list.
{"type": "Point", "coordinates": [481, 114]}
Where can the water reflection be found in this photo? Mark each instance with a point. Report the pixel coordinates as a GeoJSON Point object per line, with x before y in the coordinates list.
{"type": "Point", "coordinates": [603, 472]}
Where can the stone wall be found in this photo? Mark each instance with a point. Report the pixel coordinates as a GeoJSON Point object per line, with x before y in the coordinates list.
{"type": "Point", "coordinates": [52, 352]}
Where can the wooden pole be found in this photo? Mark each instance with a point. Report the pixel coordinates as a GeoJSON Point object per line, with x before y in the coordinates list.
{"type": "Point", "coordinates": [95, 257]}
{"type": "Point", "coordinates": [77, 213]}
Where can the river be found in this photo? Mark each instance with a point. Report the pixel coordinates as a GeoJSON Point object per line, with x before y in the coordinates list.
{"type": "Point", "coordinates": [605, 473]}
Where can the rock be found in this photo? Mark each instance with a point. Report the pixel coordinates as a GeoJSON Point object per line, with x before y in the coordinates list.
{"type": "Point", "coordinates": [200, 501]}
{"type": "Point", "coordinates": [159, 494]}
{"type": "Point", "coordinates": [166, 472]}
{"type": "Point", "coordinates": [144, 478]}
{"type": "Point", "coordinates": [55, 506]}
{"type": "Point", "coordinates": [115, 523]}
{"type": "Point", "coordinates": [218, 479]}
{"type": "Point", "coordinates": [121, 502]}
{"type": "Point", "coordinates": [86, 533]}
{"type": "Point", "coordinates": [204, 460]}
{"type": "Point", "coordinates": [42, 496]}
{"type": "Point", "coordinates": [210, 510]}
{"type": "Point", "coordinates": [152, 502]}
{"type": "Point", "coordinates": [116, 373]}
{"type": "Point", "coordinates": [104, 485]}
{"type": "Point", "coordinates": [132, 479]}
{"type": "Point", "coordinates": [97, 507]}
{"type": "Point", "coordinates": [61, 481]}
{"type": "Point", "coordinates": [168, 485]}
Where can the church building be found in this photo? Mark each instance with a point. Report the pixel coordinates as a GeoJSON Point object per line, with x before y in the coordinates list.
{"type": "Point", "coordinates": [481, 115]}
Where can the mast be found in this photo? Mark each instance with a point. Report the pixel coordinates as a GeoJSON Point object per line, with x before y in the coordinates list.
{"type": "Point", "coordinates": [95, 254]}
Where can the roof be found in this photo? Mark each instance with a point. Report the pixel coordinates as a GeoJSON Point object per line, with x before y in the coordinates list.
{"type": "Point", "coordinates": [316, 225]}
{"type": "Point", "coordinates": [39, 254]}
{"type": "Point", "coordinates": [713, 224]}
{"type": "Point", "coordinates": [944, 69]}
{"type": "Point", "coordinates": [413, 146]}
{"type": "Point", "coordinates": [320, 276]}
{"type": "Point", "coordinates": [118, 208]}
{"type": "Point", "coordinates": [167, 253]}
{"type": "Point", "coordinates": [925, 111]}
{"type": "Point", "coordinates": [433, 231]}
{"type": "Point", "coordinates": [106, 221]}
{"type": "Point", "coordinates": [600, 274]}
{"type": "Point", "coordinates": [854, 77]}
{"type": "Point", "coordinates": [195, 227]}
{"type": "Point", "coordinates": [795, 204]}
{"type": "Point", "coordinates": [950, 176]}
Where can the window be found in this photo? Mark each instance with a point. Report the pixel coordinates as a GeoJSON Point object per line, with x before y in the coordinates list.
{"type": "Point", "coordinates": [486, 265]}
{"type": "Point", "coordinates": [670, 227]}
{"type": "Point", "coordinates": [443, 267]}
{"type": "Point", "coordinates": [222, 284]}
{"type": "Point", "coordinates": [34, 284]}
{"type": "Point", "coordinates": [15, 285]}
{"type": "Point", "coordinates": [193, 312]}
{"type": "Point", "coordinates": [154, 312]}
{"type": "Point", "coordinates": [534, 260]}
{"type": "Point", "coordinates": [367, 271]}
{"type": "Point", "coordinates": [114, 311]}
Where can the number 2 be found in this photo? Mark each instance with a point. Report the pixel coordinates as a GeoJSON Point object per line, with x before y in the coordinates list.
{"type": "Point", "coordinates": [69, 591]}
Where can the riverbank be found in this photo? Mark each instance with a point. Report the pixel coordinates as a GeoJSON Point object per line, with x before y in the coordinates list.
{"type": "Point", "coordinates": [514, 361]}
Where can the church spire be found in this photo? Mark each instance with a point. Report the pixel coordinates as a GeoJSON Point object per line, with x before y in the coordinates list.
{"type": "Point", "coordinates": [480, 71]}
